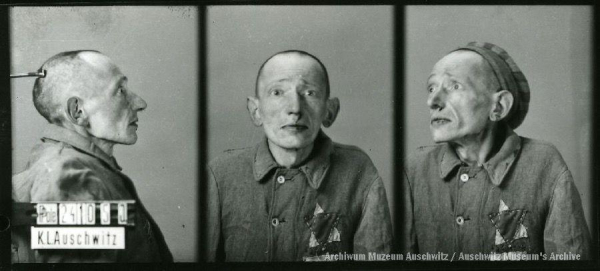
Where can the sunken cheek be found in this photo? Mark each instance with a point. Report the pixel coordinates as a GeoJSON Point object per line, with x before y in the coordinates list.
{"type": "Point", "coordinates": [119, 115]}
{"type": "Point", "coordinates": [273, 111]}
{"type": "Point", "coordinates": [470, 112]}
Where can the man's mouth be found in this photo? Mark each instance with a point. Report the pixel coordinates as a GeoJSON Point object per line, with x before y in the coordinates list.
{"type": "Point", "coordinates": [294, 127]}
{"type": "Point", "coordinates": [134, 123]}
{"type": "Point", "coordinates": [439, 121]}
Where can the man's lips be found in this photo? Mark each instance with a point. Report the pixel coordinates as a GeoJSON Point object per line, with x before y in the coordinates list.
{"type": "Point", "coordinates": [134, 123]}
{"type": "Point", "coordinates": [439, 121]}
{"type": "Point", "coordinates": [295, 127]}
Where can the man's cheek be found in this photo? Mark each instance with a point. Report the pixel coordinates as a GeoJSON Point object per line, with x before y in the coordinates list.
{"type": "Point", "coordinates": [272, 110]}
{"type": "Point", "coordinates": [97, 120]}
{"type": "Point", "coordinates": [268, 123]}
{"type": "Point", "coordinates": [103, 123]}
{"type": "Point", "coordinates": [271, 119]}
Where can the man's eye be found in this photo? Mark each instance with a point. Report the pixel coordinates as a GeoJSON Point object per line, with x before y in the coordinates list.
{"type": "Point", "coordinates": [430, 89]}
{"type": "Point", "coordinates": [121, 90]}
{"type": "Point", "coordinates": [310, 93]}
{"type": "Point", "coordinates": [455, 86]}
{"type": "Point", "coordinates": [276, 92]}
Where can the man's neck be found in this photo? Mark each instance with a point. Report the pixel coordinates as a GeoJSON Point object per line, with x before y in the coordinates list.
{"type": "Point", "coordinates": [477, 149]}
{"type": "Point", "coordinates": [104, 145]}
{"type": "Point", "coordinates": [289, 158]}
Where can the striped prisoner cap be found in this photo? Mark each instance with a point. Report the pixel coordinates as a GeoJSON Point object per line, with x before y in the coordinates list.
{"type": "Point", "coordinates": [509, 76]}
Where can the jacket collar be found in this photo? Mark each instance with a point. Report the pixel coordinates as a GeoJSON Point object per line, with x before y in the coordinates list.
{"type": "Point", "coordinates": [57, 133]}
{"type": "Point", "coordinates": [315, 168]}
{"type": "Point", "coordinates": [496, 167]}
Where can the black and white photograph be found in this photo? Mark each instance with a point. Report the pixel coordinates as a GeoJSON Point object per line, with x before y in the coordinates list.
{"type": "Point", "coordinates": [113, 116]}
{"type": "Point", "coordinates": [299, 131]}
{"type": "Point", "coordinates": [498, 132]}
{"type": "Point", "coordinates": [249, 134]}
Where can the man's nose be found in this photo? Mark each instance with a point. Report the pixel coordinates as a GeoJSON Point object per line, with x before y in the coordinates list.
{"type": "Point", "coordinates": [435, 100]}
{"type": "Point", "coordinates": [294, 103]}
{"type": "Point", "coordinates": [137, 102]}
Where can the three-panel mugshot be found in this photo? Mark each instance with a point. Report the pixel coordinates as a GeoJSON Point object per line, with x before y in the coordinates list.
{"type": "Point", "coordinates": [374, 136]}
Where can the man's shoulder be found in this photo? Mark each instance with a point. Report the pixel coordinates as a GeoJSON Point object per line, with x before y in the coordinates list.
{"type": "Point", "coordinates": [535, 151]}
{"type": "Point", "coordinates": [351, 152]}
{"type": "Point", "coordinates": [421, 155]}
{"type": "Point", "coordinates": [59, 154]}
{"type": "Point", "coordinates": [538, 147]}
{"type": "Point", "coordinates": [429, 149]}
{"type": "Point", "coordinates": [53, 155]}
{"type": "Point", "coordinates": [52, 164]}
{"type": "Point", "coordinates": [352, 160]}
{"type": "Point", "coordinates": [232, 157]}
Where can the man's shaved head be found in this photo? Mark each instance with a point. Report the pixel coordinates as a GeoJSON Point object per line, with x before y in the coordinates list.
{"type": "Point", "coordinates": [300, 53]}
{"type": "Point", "coordinates": [85, 91]}
{"type": "Point", "coordinates": [67, 73]}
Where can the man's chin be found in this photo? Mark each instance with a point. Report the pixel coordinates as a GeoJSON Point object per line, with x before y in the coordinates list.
{"type": "Point", "coordinates": [125, 141]}
{"type": "Point", "coordinates": [439, 137]}
{"type": "Point", "coordinates": [291, 144]}
{"type": "Point", "coordinates": [130, 140]}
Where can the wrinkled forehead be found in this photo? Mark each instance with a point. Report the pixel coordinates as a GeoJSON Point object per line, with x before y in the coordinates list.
{"type": "Point", "coordinates": [462, 63]}
{"type": "Point", "coordinates": [290, 66]}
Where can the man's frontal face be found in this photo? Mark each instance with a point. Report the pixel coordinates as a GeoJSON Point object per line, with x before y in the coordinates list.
{"type": "Point", "coordinates": [292, 100]}
{"type": "Point", "coordinates": [112, 108]}
{"type": "Point", "coordinates": [459, 100]}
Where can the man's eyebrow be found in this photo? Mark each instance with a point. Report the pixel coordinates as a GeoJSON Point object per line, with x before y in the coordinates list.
{"type": "Point", "coordinates": [469, 81]}
{"type": "Point", "coordinates": [270, 84]}
{"type": "Point", "coordinates": [450, 75]}
{"type": "Point", "coordinates": [304, 82]}
{"type": "Point", "coordinates": [120, 81]}
{"type": "Point", "coordinates": [277, 81]}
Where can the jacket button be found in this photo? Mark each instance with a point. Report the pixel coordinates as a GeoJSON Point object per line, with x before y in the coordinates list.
{"type": "Point", "coordinates": [460, 220]}
{"type": "Point", "coordinates": [464, 177]}
{"type": "Point", "coordinates": [275, 222]}
{"type": "Point", "coordinates": [281, 179]}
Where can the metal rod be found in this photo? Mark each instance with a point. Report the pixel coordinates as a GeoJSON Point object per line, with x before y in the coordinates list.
{"type": "Point", "coordinates": [41, 74]}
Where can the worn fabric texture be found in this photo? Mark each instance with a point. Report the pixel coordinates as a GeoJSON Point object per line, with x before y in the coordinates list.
{"type": "Point", "coordinates": [259, 211]}
{"type": "Point", "coordinates": [68, 167]}
{"type": "Point", "coordinates": [522, 200]}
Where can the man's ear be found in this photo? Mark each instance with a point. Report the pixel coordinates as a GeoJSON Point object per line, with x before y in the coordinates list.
{"type": "Point", "coordinates": [253, 104]}
{"type": "Point", "coordinates": [333, 107]}
{"type": "Point", "coordinates": [75, 111]}
{"type": "Point", "coordinates": [502, 103]}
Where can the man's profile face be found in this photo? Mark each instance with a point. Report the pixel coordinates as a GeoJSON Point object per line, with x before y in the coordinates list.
{"type": "Point", "coordinates": [459, 99]}
{"type": "Point", "coordinates": [111, 107]}
{"type": "Point", "coordinates": [292, 94]}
